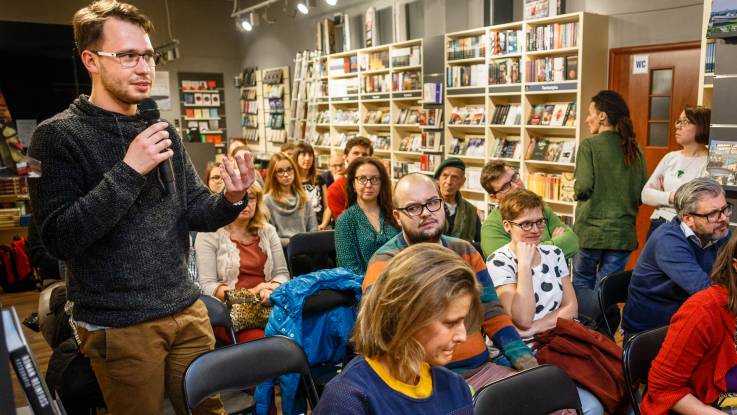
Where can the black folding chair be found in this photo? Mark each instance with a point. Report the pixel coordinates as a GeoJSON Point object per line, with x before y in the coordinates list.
{"type": "Point", "coordinates": [243, 365]}
{"type": "Point", "coordinates": [613, 290]}
{"type": "Point", "coordinates": [554, 391]}
{"type": "Point", "coordinates": [219, 315]}
{"type": "Point", "coordinates": [639, 352]}
{"type": "Point", "coordinates": [311, 251]}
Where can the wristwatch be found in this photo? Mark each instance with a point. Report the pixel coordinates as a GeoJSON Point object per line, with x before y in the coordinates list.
{"type": "Point", "coordinates": [239, 203]}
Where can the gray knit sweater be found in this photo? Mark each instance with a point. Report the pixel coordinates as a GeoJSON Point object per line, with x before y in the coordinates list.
{"type": "Point", "coordinates": [124, 241]}
{"type": "Point", "coordinates": [289, 218]}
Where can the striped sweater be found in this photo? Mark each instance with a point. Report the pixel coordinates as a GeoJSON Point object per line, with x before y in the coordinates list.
{"type": "Point", "coordinates": [496, 324]}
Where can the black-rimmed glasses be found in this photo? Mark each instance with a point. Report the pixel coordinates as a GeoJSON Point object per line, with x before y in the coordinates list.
{"type": "Point", "coordinates": [432, 205]}
{"type": "Point", "coordinates": [365, 180]}
{"type": "Point", "coordinates": [130, 59]}
{"type": "Point", "coordinates": [527, 226]}
{"type": "Point", "coordinates": [284, 172]}
{"type": "Point", "coordinates": [508, 185]}
{"type": "Point", "coordinates": [713, 217]}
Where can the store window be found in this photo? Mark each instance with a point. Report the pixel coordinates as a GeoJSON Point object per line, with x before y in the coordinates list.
{"type": "Point", "coordinates": [661, 97]}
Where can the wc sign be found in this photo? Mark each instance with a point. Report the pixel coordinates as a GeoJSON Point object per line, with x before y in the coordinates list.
{"type": "Point", "coordinates": [639, 64]}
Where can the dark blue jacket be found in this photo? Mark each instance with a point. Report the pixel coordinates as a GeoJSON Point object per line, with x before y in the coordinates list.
{"type": "Point", "coordinates": [670, 269]}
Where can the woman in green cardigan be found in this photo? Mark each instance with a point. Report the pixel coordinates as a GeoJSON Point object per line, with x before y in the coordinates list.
{"type": "Point", "coordinates": [368, 223]}
{"type": "Point", "coordinates": [610, 175]}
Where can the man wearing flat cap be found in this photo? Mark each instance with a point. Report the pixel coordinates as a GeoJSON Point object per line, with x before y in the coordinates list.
{"type": "Point", "coordinates": [461, 218]}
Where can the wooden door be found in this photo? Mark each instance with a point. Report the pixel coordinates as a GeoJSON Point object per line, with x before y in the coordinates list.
{"type": "Point", "coordinates": [656, 99]}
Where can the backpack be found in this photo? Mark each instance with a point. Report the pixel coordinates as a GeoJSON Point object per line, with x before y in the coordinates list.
{"type": "Point", "coordinates": [15, 268]}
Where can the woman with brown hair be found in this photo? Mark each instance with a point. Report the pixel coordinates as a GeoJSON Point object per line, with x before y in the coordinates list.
{"type": "Point", "coordinates": [678, 167]}
{"type": "Point", "coordinates": [695, 371]}
{"type": "Point", "coordinates": [312, 183]}
{"type": "Point", "coordinates": [610, 174]}
{"type": "Point", "coordinates": [368, 222]}
{"type": "Point", "coordinates": [289, 209]}
{"type": "Point", "coordinates": [409, 324]}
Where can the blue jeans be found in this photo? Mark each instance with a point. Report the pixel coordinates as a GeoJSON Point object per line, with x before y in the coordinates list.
{"type": "Point", "coordinates": [589, 267]}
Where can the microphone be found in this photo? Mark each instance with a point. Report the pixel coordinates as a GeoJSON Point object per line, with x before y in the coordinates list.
{"type": "Point", "coordinates": [149, 110]}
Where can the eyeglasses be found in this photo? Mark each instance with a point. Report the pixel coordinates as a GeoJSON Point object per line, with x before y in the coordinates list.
{"type": "Point", "coordinates": [129, 60]}
{"type": "Point", "coordinates": [284, 172]}
{"type": "Point", "coordinates": [508, 185]}
{"type": "Point", "coordinates": [432, 205]}
{"type": "Point", "coordinates": [713, 217]}
{"type": "Point", "coordinates": [337, 166]}
{"type": "Point", "coordinates": [682, 123]}
{"type": "Point", "coordinates": [364, 180]}
{"type": "Point", "coordinates": [527, 226]}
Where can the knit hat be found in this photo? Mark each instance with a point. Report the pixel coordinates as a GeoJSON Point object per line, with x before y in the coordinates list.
{"type": "Point", "coordinates": [450, 162]}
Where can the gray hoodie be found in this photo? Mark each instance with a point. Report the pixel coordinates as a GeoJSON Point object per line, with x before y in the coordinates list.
{"type": "Point", "coordinates": [289, 219]}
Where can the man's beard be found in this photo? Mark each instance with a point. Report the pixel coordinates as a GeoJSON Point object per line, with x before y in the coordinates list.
{"type": "Point", "coordinates": [428, 235]}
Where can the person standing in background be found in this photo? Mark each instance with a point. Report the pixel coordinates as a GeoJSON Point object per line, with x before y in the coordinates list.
{"type": "Point", "coordinates": [678, 167]}
{"type": "Point", "coordinates": [610, 175]}
{"type": "Point", "coordinates": [312, 183]}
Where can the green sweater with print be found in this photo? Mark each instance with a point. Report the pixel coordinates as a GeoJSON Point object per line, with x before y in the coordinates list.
{"type": "Point", "coordinates": [608, 194]}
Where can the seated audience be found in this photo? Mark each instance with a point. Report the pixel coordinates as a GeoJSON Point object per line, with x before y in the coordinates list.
{"type": "Point", "coordinates": [408, 327]}
{"type": "Point", "coordinates": [289, 208]}
{"type": "Point", "coordinates": [678, 167]}
{"type": "Point", "coordinates": [461, 218]}
{"type": "Point", "coordinates": [213, 179]}
{"type": "Point", "coordinates": [695, 371]}
{"type": "Point", "coordinates": [312, 183]}
{"type": "Point", "coordinates": [532, 280]}
{"type": "Point", "coordinates": [355, 147]}
{"type": "Point", "coordinates": [418, 208]}
{"type": "Point", "coordinates": [498, 179]}
{"type": "Point", "coordinates": [244, 254]}
{"type": "Point", "coordinates": [368, 223]}
{"type": "Point", "coordinates": [678, 257]}
{"type": "Point", "coordinates": [336, 169]}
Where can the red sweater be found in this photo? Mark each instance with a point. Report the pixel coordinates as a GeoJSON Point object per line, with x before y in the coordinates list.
{"type": "Point", "coordinates": [696, 355]}
{"type": "Point", "coordinates": [337, 197]}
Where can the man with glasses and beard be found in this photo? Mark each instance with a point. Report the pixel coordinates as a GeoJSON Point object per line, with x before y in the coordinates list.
{"type": "Point", "coordinates": [498, 179]}
{"type": "Point", "coordinates": [678, 257]}
{"type": "Point", "coordinates": [418, 208]}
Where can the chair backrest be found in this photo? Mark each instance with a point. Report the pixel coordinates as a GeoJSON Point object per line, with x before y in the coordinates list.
{"type": "Point", "coordinates": [554, 390]}
{"type": "Point", "coordinates": [613, 290]}
{"type": "Point", "coordinates": [219, 315]}
{"type": "Point", "coordinates": [311, 251]}
{"type": "Point", "coordinates": [240, 366]}
{"type": "Point", "coordinates": [639, 352]}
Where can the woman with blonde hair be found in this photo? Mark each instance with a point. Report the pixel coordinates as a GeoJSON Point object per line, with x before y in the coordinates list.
{"type": "Point", "coordinates": [409, 324]}
{"type": "Point", "coordinates": [244, 254]}
{"type": "Point", "coordinates": [290, 210]}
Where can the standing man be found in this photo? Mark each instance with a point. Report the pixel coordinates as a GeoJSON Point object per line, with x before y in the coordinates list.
{"type": "Point", "coordinates": [102, 209]}
{"type": "Point", "coordinates": [498, 179]}
{"type": "Point", "coordinates": [461, 218]}
{"type": "Point", "coordinates": [355, 147]}
{"type": "Point", "coordinates": [418, 208]}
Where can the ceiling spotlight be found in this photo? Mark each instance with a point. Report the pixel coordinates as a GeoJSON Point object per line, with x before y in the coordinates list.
{"type": "Point", "coordinates": [246, 25]}
{"type": "Point", "coordinates": [331, 2]}
{"type": "Point", "coordinates": [302, 7]}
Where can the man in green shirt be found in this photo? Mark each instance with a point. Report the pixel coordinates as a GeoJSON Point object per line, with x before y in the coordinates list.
{"type": "Point", "coordinates": [461, 218]}
{"type": "Point", "coordinates": [498, 179]}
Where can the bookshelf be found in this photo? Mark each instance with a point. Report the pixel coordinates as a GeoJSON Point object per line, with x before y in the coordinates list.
{"type": "Point", "coordinates": [251, 110]}
{"type": "Point", "coordinates": [706, 67]}
{"type": "Point", "coordinates": [202, 107]}
{"type": "Point", "coordinates": [276, 104]}
{"type": "Point", "coordinates": [499, 78]}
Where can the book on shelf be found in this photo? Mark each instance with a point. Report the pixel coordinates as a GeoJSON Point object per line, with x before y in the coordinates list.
{"type": "Point", "coordinates": [508, 148]}
{"type": "Point", "coordinates": [249, 107]}
{"type": "Point", "coordinates": [473, 178]}
{"type": "Point", "coordinates": [323, 117]}
{"type": "Point", "coordinates": [467, 47]}
{"type": "Point", "coordinates": [507, 114]}
{"type": "Point", "coordinates": [419, 142]}
{"type": "Point", "coordinates": [273, 91]}
{"type": "Point", "coordinates": [408, 116]}
{"type": "Point", "coordinates": [710, 54]}
{"type": "Point", "coordinates": [570, 120]}
{"type": "Point", "coordinates": [537, 9]}
{"type": "Point", "coordinates": [468, 75]}
{"type": "Point", "coordinates": [504, 42]}
{"type": "Point", "coordinates": [206, 99]}
{"type": "Point", "coordinates": [188, 99]}
{"type": "Point", "coordinates": [406, 81]}
{"type": "Point", "coordinates": [247, 94]}
{"type": "Point", "coordinates": [432, 93]}
{"type": "Point", "coordinates": [345, 117]}
{"type": "Point", "coordinates": [559, 114]}
{"type": "Point", "coordinates": [567, 152]}
{"type": "Point", "coordinates": [504, 71]}
{"type": "Point", "coordinates": [376, 84]}
{"type": "Point", "coordinates": [552, 36]}
{"type": "Point", "coordinates": [427, 163]}
{"type": "Point", "coordinates": [343, 138]}
{"type": "Point", "coordinates": [468, 115]}
{"type": "Point", "coordinates": [248, 77]}
{"type": "Point", "coordinates": [547, 114]}
{"type": "Point", "coordinates": [342, 87]}
{"type": "Point", "coordinates": [198, 99]}
{"type": "Point", "coordinates": [552, 69]}
{"type": "Point", "coordinates": [566, 193]}
{"type": "Point", "coordinates": [378, 117]}
{"type": "Point", "coordinates": [273, 76]}
{"type": "Point", "coordinates": [380, 142]}
{"type": "Point", "coordinates": [722, 164]}
{"type": "Point", "coordinates": [557, 150]}
{"type": "Point", "coordinates": [408, 56]}
{"type": "Point", "coordinates": [276, 136]}
{"type": "Point", "coordinates": [536, 115]}
{"type": "Point", "coordinates": [546, 185]}
{"type": "Point", "coordinates": [469, 146]}
{"type": "Point", "coordinates": [553, 114]}
{"type": "Point", "coordinates": [250, 134]}
{"type": "Point", "coordinates": [374, 61]}
{"type": "Point", "coordinates": [249, 120]}
{"type": "Point", "coordinates": [431, 117]}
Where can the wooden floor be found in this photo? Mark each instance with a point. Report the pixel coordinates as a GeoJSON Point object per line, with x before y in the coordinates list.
{"type": "Point", "coordinates": [26, 303]}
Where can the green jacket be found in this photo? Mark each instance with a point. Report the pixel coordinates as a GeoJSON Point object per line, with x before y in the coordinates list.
{"type": "Point", "coordinates": [466, 224]}
{"type": "Point", "coordinates": [608, 194]}
{"type": "Point", "coordinates": [493, 235]}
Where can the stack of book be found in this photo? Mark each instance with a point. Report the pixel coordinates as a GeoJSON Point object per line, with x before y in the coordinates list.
{"type": "Point", "coordinates": [552, 186]}
{"type": "Point", "coordinates": [471, 75]}
{"type": "Point", "coordinates": [504, 71]}
{"type": "Point", "coordinates": [555, 114]}
{"type": "Point", "coordinates": [504, 42]}
{"type": "Point", "coordinates": [323, 117]}
{"type": "Point", "coordinates": [470, 115]}
{"type": "Point", "coordinates": [376, 84]}
{"type": "Point", "coordinates": [507, 114]}
{"type": "Point", "coordinates": [345, 117]}
{"type": "Point", "coordinates": [469, 146]}
{"type": "Point", "coordinates": [408, 116]}
{"type": "Point", "coordinates": [343, 87]}
{"type": "Point", "coordinates": [552, 69]}
{"type": "Point", "coordinates": [250, 121]}
{"type": "Point", "coordinates": [250, 107]}
{"type": "Point", "coordinates": [374, 61]}
{"type": "Point", "coordinates": [553, 36]}
{"type": "Point", "coordinates": [276, 136]}
{"type": "Point", "coordinates": [467, 48]}
{"type": "Point", "coordinates": [507, 148]}
{"type": "Point", "coordinates": [380, 142]}
{"type": "Point", "coordinates": [251, 135]}
{"type": "Point", "coordinates": [409, 56]}
{"type": "Point", "coordinates": [553, 150]}
{"type": "Point", "coordinates": [406, 81]}
{"type": "Point", "coordinates": [342, 66]}
{"type": "Point", "coordinates": [377, 117]}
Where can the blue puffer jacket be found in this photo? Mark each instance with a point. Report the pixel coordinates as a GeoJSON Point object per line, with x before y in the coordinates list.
{"type": "Point", "coordinates": [323, 337]}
